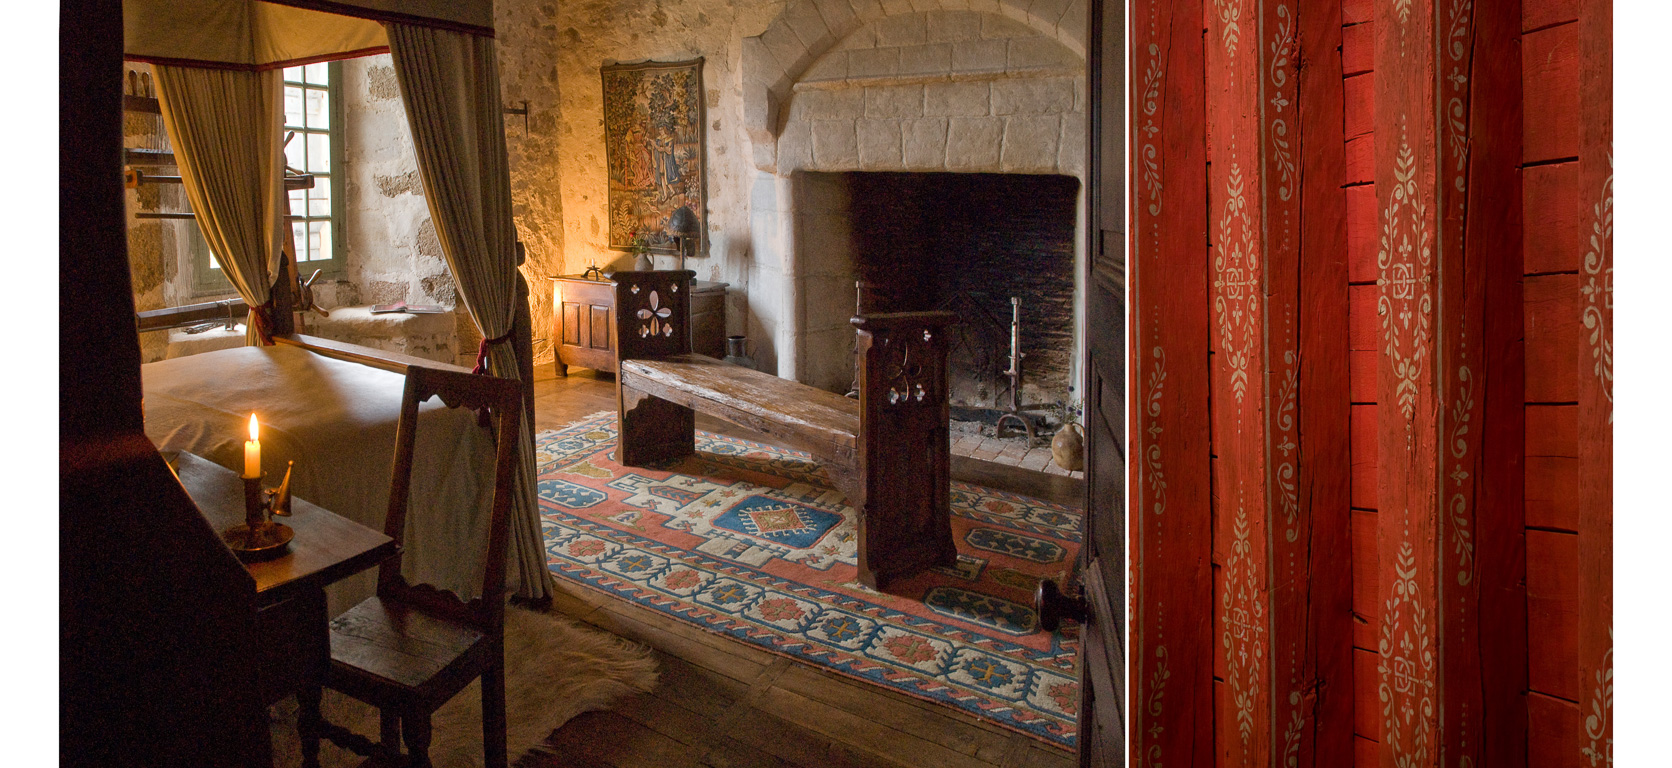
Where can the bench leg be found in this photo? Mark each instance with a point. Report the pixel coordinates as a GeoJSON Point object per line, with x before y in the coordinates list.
{"type": "Point", "coordinates": [653, 429]}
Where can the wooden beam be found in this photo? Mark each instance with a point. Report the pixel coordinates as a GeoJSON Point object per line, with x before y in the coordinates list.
{"type": "Point", "coordinates": [1244, 388]}
{"type": "Point", "coordinates": [1172, 649]}
{"type": "Point", "coordinates": [1451, 643]}
{"type": "Point", "coordinates": [1596, 383]}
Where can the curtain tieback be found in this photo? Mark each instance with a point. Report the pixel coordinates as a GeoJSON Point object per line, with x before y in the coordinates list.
{"type": "Point", "coordinates": [482, 351]}
{"type": "Point", "coordinates": [261, 317]}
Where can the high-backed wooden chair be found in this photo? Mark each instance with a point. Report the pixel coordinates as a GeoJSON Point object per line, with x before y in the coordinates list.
{"type": "Point", "coordinates": [411, 647]}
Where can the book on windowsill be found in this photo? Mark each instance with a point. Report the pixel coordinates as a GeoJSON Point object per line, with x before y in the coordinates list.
{"type": "Point", "coordinates": [411, 309]}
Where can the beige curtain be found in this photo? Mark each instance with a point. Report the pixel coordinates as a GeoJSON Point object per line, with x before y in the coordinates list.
{"type": "Point", "coordinates": [450, 85]}
{"type": "Point", "coordinates": [225, 128]}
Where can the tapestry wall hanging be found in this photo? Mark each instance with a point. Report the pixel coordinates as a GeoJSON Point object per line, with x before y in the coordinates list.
{"type": "Point", "coordinates": [654, 145]}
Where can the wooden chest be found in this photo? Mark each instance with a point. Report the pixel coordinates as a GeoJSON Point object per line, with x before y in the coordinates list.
{"type": "Point", "coordinates": [585, 319]}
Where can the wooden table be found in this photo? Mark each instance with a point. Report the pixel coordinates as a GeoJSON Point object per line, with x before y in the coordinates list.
{"type": "Point", "coordinates": [292, 623]}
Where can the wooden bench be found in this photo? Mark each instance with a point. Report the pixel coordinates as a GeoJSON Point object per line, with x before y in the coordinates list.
{"type": "Point", "coordinates": [889, 451]}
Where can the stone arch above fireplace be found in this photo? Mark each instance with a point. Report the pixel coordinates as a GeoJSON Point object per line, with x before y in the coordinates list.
{"type": "Point", "coordinates": [783, 62]}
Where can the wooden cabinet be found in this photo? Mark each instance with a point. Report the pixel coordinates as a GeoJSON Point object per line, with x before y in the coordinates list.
{"type": "Point", "coordinates": [585, 319]}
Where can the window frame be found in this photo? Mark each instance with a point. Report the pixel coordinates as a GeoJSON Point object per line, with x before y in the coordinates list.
{"type": "Point", "coordinates": [211, 281]}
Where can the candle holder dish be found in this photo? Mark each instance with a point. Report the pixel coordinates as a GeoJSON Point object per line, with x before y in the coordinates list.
{"type": "Point", "coordinates": [259, 538]}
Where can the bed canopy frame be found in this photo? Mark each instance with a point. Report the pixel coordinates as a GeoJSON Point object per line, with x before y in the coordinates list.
{"type": "Point", "coordinates": [217, 65]}
{"type": "Point", "coordinates": [155, 614]}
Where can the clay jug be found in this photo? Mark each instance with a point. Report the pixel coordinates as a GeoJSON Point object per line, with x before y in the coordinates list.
{"type": "Point", "coordinates": [1068, 447]}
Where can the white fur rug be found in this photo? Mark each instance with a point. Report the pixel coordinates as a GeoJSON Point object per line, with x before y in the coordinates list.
{"type": "Point", "coordinates": [555, 669]}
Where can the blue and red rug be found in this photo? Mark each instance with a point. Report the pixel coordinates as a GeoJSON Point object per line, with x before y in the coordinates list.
{"type": "Point", "coordinates": [750, 541]}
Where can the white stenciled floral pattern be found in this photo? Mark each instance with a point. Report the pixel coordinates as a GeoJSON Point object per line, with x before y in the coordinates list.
{"type": "Point", "coordinates": [1459, 47]}
{"type": "Point", "coordinates": [1245, 626]}
{"type": "Point", "coordinates": [1600, 750]}
{"type": "Point", "coordinates": [656, 318]}
{"type": "Point", "coordinates": [1288, 398]}
{"type": "Point", "coordinates": [1406, 297]}
{"type": "Point", "coordinates": [1403, 9]}
{"type": "Point", "coordinates": [1599, 288]}
{"type": "Point", "coordinates": [1152, 102]}
{"type": "Point", "coordinates": [1236, 284]}
{"type": "Point", "coordinates": [1462, 412]}
{"type": "Point", "coordinates": [1152, 452]}
{"type": "Point", "coordinates": [1230, 13]}
{"type": "Point", "coordinates": [1406, 668]}
{"type": "Point", "coordinates": [1282, 52]}
{"type": "Point", "coordinates": [1158, 689]}
{"type": "Point", "coordinates": [1291, 733]}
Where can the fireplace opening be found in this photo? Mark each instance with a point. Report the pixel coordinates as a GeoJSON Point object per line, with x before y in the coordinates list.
{"type": "Point", "coordinates": [970, 242]}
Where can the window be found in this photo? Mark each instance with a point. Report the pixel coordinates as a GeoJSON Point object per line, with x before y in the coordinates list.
{"type": "Point", "coordinates": [313, 121]}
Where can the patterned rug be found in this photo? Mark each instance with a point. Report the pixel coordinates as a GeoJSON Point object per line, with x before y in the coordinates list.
{"type": "Point", "coordinates": [750, 541]}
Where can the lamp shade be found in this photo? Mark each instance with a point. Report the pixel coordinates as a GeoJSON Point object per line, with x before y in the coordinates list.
{"type": "Point", "coordinates": [683, 223]}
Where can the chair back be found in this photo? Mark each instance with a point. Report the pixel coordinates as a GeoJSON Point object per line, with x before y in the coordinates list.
{"type": "Point", "coordinates": [502, 398]}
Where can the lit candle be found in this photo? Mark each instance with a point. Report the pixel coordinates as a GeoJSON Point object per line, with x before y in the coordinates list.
{"type": "Point", "coordinates": [252, 450]}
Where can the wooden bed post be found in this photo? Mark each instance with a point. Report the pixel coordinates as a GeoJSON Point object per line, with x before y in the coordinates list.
{"type": "Point", "coordinates": [652, 319]}
{"type": "Point", "coordinates": [905, 453]}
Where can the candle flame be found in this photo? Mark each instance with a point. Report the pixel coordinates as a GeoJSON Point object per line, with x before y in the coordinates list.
{"type": "Point", "coordinates": [255, 428]}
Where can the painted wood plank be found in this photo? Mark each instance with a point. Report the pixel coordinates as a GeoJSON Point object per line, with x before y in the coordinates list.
{"type": "Point", "coordinates": [1361, 371]}
{"type": "Point", "coordinates": [1172, 649]}
{"type": "Point", "coordinates": [1365, 448]}
{"type": "Point", "coordinates": [1553, 728]}
{"type": "Point", "coordinates": [1595, 418]}
{"type": "Point", "coordinates": [1361, 160]}
{"type": "Point", "coordinates": [1550, 83]}
{"type": "Point", "coordinates": [1357, 11]}
{"type": "Point", "coordinates": [1483, 640]}
{"type": "Point", "coordinates": [1359, 94]}
{"type": "Point", "coordinates": [1367, 609]}
{"type": "Point", "coordinates": [1552, 613]}
{"type": "Point", "coordinates": [1553, 430]}
{"type": "Point", "coordinates": [1364, 753]}
{"type": "Point", "coordinates": [1537, 14]}
{"type": "Point", "coordinates": [1552, 328]}
{"type": "Point", "coordinates": [1367, 707]}
{"type": "Point", "coordinates": [1553, 493]}
{"type": "Point", "coordinates": [1358, 49]}
{"type": "Point", "coordinates": [1318, 599]}
{"type": "Point", "coordinates": [1361, 234]}
{"type": "Point", "coordinates": [1550, 199]}
{"type": "Point", "coordinates": [1363, 322]}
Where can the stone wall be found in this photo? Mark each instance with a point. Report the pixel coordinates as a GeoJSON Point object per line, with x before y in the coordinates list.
{"type": "Point", "coordinates": [587, 35]}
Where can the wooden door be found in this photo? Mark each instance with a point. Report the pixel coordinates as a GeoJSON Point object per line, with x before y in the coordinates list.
{"type": "Point", "coordinates": [1103, 567]}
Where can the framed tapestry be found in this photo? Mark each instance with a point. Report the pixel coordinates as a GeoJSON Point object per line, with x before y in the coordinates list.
{"type": "Point", "coordinates": [655, 147]}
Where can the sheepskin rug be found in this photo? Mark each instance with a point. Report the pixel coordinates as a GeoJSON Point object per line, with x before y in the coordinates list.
{"type": "Point", "coordinates": [555, 669]}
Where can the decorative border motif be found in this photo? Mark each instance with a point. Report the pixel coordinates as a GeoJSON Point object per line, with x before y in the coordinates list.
{"type": "Point", "coordinates": [1406, 301]}
{"type": "Point", "coordinates": [1601, 749]}
{"type": "Point", "coordinates": [1245, 623]}
{"type": "Point", "coordinates": [1236, 284]}
{"type": "Point", "coordinates": [1230, 12]}
{"type": "Point", "coordinates": [1406, 667]}
{"type": "Point", "coordinates": [1599, 297]}
{"type": "Point", "coordinates": [1462, 411]}
{"type": "Point", "coordinates": [1282, 48]}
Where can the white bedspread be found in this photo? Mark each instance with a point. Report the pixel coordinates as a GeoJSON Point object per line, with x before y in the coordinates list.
{"type": "Point", "coordinates": [336, 419]}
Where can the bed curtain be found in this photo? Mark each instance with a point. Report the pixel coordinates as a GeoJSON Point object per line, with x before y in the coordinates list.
{"type": "Point", "coordinates": [225, 126]}
{"type": "Point", "coordinates": [449, 85]}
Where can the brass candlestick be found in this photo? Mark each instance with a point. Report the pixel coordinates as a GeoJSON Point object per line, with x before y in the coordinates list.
{"type": "Point", "coordinates": [259, 538]}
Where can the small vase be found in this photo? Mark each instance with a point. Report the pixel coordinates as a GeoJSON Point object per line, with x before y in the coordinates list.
{"type": "Point", "coordinates": [735, 353]}
{"type": "Point", "coordinates": [1068, 447]}
{"type": "Point", "coordinates": [642, 263]}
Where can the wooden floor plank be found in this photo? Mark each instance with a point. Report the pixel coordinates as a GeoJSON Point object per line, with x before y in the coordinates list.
{"type": "Point", "coordinates": [941, 725]}
{"type": "Point", "coordinates": [865, 733]}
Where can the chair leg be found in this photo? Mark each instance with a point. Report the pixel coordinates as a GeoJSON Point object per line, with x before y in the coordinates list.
{"type": "Point", "coordinates": [389, 729]}
{"type": "Point", "coordinates": [415, 726]}
{"type": "Point", "coordinates": [493, 717]}
{"type": "Point", "coordinates": [308, 722]}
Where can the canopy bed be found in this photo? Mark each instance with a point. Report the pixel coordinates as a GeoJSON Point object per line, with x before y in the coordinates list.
{"type": "Point", "coordinates": [330, 406]}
